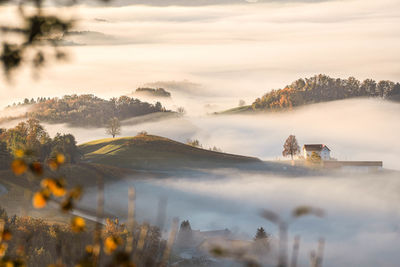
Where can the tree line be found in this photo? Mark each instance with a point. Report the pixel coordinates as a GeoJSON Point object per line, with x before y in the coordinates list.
{"type": "Point", "coordinates": [322, 88]}
{"type": "Point", "coordinates": [88, 110]}
{"type": "Point", "coordinates": [32, 137]}
{"type": "Point", "coordinates": [159, 92]}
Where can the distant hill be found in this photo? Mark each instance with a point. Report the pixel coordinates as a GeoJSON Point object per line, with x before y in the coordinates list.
{"type": "Point", "coordinates": [320, 88]}
{"type": "Point", "coordinates": [85, 110]}
{"type": "Point", "coordinates": [151, 92]}
{"type": "Point", "coordinates": [155, 152]}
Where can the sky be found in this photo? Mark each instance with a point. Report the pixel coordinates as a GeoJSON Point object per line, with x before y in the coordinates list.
{"type": "Point", "coordinates": [239, 51]}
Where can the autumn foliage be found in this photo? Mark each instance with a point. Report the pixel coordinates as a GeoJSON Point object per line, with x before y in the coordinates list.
{"type": "Point", "coordinates": [322, 88]}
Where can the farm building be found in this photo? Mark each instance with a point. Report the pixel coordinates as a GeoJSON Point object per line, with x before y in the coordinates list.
{"type": "Point", "coordinates": [322, 150]}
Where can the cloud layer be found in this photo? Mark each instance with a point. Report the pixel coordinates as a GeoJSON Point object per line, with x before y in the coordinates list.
{"type": "Point", "coordinates": [238, 51]}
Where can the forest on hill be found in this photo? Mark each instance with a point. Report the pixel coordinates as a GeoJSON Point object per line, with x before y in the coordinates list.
{"type": "Point", "coordinates": [87, 110]}
{"type": "Point", "coordinates": [33, 138]}
{"type": "Point", "coordinates": [322, 88]}
{"type": "Point", "coordinates": [159, 92]}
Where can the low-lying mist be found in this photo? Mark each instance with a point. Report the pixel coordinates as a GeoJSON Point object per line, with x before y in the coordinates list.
{"type": "Point", "coordinates": [361, 225]}
{"type": "Point", "coordinates": [356, 129]}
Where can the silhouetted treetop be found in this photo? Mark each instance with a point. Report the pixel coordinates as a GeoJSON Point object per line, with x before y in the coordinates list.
{"type": "Point", "coordinates": [159, 92]}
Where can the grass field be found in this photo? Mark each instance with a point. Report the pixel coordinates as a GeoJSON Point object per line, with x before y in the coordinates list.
{"type": "Point", "coordinates": [154, 153]}
{"type": "Point", "coordinates": [236, 110]}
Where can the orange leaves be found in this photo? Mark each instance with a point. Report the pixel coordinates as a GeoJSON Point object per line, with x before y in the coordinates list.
{"type": "Point", "coordinates": [60, 158]}
{"type": "Point", "coordinates": [23, 161]}
{"type": "Point", "coordinates": [19, 167]}
{"type": "Point", "coordinates": [50, 186]}
{"type": "Point", "coordinates": [78, 224]}
{"type": "Point", "coordinates": [56, 162]}
{"type": "Point", "coordinates": [19, 153]}
{"type": "Point", "coordinates": [6, 236]}
{"type": "Point", "coordinates": [55, 186]}
{"type": "Point", "coordinates": [3, 249]}
{"type": "Point", "coordinates": [40, 199]}
{"type": "Point", "coordinates": [111, 243]}
{"type": "Point", "coordinates": [89, 249]}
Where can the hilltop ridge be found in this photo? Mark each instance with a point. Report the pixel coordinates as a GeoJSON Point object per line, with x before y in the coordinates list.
{"type": "Point", "coordinates": [155, 152]}
{"type": "Point", "coordinates": [317, 89]}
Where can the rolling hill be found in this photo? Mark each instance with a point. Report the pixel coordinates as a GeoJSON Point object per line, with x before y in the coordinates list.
{"type": "Point", "coordinates": [317, 89]}
{"type": "Point", "coordinates": [152, 152]}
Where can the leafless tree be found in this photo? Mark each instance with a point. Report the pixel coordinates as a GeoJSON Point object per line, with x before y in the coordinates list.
{"type": "Point", "coordinates": [113, 127]}
{"type": "Point", "coordinates": [291, 147]}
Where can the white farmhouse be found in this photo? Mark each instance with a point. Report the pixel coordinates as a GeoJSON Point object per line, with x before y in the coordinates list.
{"type": "Point", "coordinates": [322, 150]}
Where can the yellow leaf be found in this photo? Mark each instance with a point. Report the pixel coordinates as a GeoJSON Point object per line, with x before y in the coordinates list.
{"type": "Point", "coordinates": [18, 166]}
{"type": "Point", "coordinates": [3, 249]}
{"type": "Point", "coordinates": [39, 200]}
{"type": "Point", "coordinates": [60, 158]}
{"type": "Point", "coordinates": [89, 249]}
{"type": "Point", "coordinates": [78, 224]}
{"type": "Point", "coordinates": [111, 244]}
{"type": "Point", "coordinates": [19, 153]}
{"type": "Point", "coordinates": [56, 187]}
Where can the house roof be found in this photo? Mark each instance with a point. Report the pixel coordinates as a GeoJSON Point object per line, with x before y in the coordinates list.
{"type": "Point", "coordinates": [315, 147]}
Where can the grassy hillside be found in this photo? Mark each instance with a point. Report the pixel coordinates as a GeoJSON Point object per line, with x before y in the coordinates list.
{"type": "Point", "coordinates": [237, 110]}
{"type": "Point", "coordinates": [154, 152]}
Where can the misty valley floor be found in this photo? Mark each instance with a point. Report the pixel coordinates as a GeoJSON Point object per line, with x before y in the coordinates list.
{"type": "Point", "coordinates": [352, 227]}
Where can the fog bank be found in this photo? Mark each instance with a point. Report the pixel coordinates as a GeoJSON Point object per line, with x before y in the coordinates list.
{"type": "Point", "coordinates": [361, 229]}
{"type": "Point", "coordinates": [239, 51]}
{"type": "Point", "coordinates": [355, 129]}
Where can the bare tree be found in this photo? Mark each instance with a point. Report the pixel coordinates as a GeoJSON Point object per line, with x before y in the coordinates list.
{"type": "Point", "coordinates": [113, 127]}
{"type": "Point", "coordinates": [291, 147]}
{"type": "Point", "coordinates": [195, 143]}
{"type": "Point", "coordinates": [242, 103]}
{"type": "Point", "coordinates": [181, 110]}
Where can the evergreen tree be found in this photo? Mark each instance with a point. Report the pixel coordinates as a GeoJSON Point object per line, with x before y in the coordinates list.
{"type": "Point", "coordinates": [185, 235]}
{"type": "Point", "coordinates": [261, 234]}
